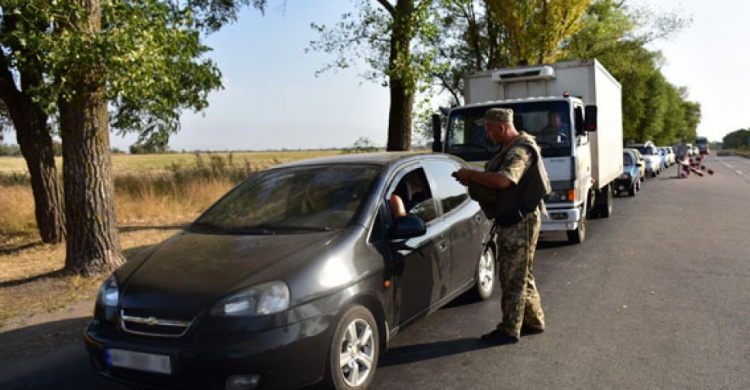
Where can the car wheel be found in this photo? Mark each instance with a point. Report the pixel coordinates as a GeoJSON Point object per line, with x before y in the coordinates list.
{"type": "Point", "coordinates": [355, 347]}
{"type": "Point", "coordinates": [577, 236]}
{"type": "Point", "coordinates": [633, 189]}
{"type": "Point", "coordinates": [485, 274]}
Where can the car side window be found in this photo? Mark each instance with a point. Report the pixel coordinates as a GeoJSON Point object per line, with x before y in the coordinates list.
{"type": "Point", "coordinates": [413, 192]}
{"type": "Point", "coordinates": [449, 191]}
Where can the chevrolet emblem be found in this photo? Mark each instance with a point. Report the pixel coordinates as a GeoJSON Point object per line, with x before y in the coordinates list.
{"type": "Point", "coordinates": [151, 321]}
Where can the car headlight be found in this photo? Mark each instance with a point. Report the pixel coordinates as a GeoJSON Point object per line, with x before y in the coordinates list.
{"type": "Point", "coordinates": [109, 294]}
{"type": "Point", "coordinates": [267, 298]}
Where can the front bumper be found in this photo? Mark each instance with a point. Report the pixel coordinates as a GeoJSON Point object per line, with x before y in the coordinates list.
{"type": "Point", "coordinates": [624, 184]}
{"type": "Point", "coordinates": [561, 219]}
{"type": "Point", "coordinates": [287, 357]}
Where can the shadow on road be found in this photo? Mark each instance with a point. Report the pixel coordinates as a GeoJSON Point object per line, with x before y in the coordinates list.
{"type": "Point", "coordinates": [421, 352]}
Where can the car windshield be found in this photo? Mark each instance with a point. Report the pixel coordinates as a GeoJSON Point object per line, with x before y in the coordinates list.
{"type": "Point", "coordinates": [647, 150]}
{"type": "Point", "coordinates": [291, 200]}
{"type": "Point", "coordinates": [548, 121]}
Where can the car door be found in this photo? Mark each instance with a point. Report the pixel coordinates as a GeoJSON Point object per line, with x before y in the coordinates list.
{"type": "Point", "coordinates": [462, 217]}
{"type": "Point", "coordinates": [419, 264]}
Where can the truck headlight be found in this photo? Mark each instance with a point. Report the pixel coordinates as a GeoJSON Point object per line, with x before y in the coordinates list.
{"type": "Point", "coordinates": [109, 294]}
{"type": "Point", "coordinates": [267, 298]}
{"type": "Point", "coordinates": [561, 196]}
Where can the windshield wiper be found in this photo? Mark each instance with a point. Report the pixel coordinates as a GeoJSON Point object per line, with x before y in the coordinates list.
{"type": "Point", "coordinates": [470, 146]}
{"type": "Point", "coordinates": [292, 228]}
{"type": "Point", "coordinates": [206, 227]}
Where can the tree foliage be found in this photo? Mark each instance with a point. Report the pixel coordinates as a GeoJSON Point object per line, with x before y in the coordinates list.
{"type": "Point", "coordinates": [386, 37]}
{"type": "Point", "coordinates": [738, 139]}
{"type": "Point", "coordinates": [535, 30]}
{"type": "Point", "coordinates": [143, 58]}
{"type": "Point", "coordinates": [478, 36]}
{"type": "Point", "coordinates": [653, 109]}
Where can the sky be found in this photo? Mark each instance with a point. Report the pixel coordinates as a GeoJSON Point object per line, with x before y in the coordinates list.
{"type": "Point", "coordinates": [273, 100]}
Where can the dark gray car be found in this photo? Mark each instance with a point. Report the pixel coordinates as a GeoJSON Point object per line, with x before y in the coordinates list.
{"type": "Point", "coordinates": [301, 273]}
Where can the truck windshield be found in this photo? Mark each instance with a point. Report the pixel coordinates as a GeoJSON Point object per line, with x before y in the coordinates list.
{"type": "Point", "coordinates": [548, 121]}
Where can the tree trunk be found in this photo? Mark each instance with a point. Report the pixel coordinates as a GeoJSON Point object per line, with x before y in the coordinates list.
{"type": "Point", "coordinates": [401, 79]}
{"type": "Point", "coordinates": [93, 244]}
{"type": "Point", "coordinates": [35, 141]}
{"type": "Point", "coordinates": [400, 117]}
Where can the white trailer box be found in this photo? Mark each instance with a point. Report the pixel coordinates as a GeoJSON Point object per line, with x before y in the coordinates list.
{"type": "Point", "coordinates": [585, 79]}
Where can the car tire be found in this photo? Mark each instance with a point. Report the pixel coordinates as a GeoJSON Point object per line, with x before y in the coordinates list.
{"type": "Point", "coordinates": [354, 351]}
{"type": "Point", "coordinates": [633, 189]}
{"type": "Point", "coordinates": [486, 275]}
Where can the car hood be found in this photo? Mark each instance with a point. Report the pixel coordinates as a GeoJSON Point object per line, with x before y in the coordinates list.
{"type": "Point", "coordinates": [192, 271]}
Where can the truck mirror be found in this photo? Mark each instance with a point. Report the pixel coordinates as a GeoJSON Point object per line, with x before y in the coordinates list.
{"type": "Point", "coordinates": [590, 122]}
{"type": "Point", "coordinates": [437, 144]}
{"type": "Point", "coordinates": [578, 118]}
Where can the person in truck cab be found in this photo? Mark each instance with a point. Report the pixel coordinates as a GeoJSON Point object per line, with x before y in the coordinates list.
{"type": "Point", "coordinates": [555, 131]}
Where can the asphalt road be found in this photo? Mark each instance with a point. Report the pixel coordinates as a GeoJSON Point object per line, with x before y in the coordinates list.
{"type": "Point", "coordinates": [656, 297]}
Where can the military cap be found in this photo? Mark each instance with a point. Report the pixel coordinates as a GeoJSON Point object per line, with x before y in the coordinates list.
{"type": "Point", "coordinates": [504, 115]}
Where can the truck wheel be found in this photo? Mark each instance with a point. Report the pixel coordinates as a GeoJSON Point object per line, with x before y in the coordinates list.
{"type": "Point", "coordinates": [577, 236]}
{"type": "Point", "coordinates": [604, 210]}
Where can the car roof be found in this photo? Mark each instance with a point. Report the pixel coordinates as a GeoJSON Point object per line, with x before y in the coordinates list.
{"type": "Point", "coordinates": [381, 158]}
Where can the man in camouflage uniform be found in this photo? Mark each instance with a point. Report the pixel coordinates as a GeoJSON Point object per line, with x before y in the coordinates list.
{"type": "Point", "coordinates": [510, 190]}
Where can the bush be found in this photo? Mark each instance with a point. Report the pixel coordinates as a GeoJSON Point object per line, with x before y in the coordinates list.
{"type": "Point", "coordinates": [10, 150]}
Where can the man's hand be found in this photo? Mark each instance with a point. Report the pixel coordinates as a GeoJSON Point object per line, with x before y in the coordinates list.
{"type": "Point", "coordinates": [463, 176]}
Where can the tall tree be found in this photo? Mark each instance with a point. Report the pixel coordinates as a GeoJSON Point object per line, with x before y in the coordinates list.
{"type": "Point", "coordinates": [387, 35]}
{"type": "Point", "coordinates": [143, 57]}
{"type": "Point", "coordinates": [535, 30]}
{"type": "Point", "coordinates": [18, 82]}
{"type": "Point", "coordinates": [617, 36]}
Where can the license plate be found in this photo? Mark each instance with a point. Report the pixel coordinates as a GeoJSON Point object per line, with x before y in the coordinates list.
{"type": "Point", "coordinates": [141, 361]}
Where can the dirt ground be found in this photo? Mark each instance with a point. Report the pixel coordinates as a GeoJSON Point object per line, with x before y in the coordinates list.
{"type": "Point", "coordinates": [40, 308]}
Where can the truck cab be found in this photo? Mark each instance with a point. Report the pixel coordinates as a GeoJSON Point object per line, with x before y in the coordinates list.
{"type": "Point", "coordinates": [582, 165]}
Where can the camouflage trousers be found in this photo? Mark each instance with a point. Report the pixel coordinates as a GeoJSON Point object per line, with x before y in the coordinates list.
{"type": "Point", "coordinates": [520, 303]}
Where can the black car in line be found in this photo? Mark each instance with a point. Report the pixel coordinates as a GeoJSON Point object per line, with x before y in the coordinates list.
{"type": "Point", "coordinates": [299, 274]}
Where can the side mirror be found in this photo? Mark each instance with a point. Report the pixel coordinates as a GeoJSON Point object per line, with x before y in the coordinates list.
{"type": "Point", "coordinates": [408, 226]}
{"type": "Point", "coordinates": [590, 123]}
{"type": "Point", "coordinates": [437, 144]}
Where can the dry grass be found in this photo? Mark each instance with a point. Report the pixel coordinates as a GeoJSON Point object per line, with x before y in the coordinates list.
{"type": "Point", "coordinates": [128, 163]}
{"type": "Point", "coordinates": [16, 211]}
{"type": "Point", "coordinates": [32, 281]}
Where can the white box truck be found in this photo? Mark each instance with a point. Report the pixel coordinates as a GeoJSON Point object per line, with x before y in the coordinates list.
{"type": "Point", "coordinates": [582, 151]}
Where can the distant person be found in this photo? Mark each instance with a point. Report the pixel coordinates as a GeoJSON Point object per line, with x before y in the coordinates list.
{"type": "Point", "coordinates": [510, 190]}
{"type": "Point", "coordinates": [555, 131]}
